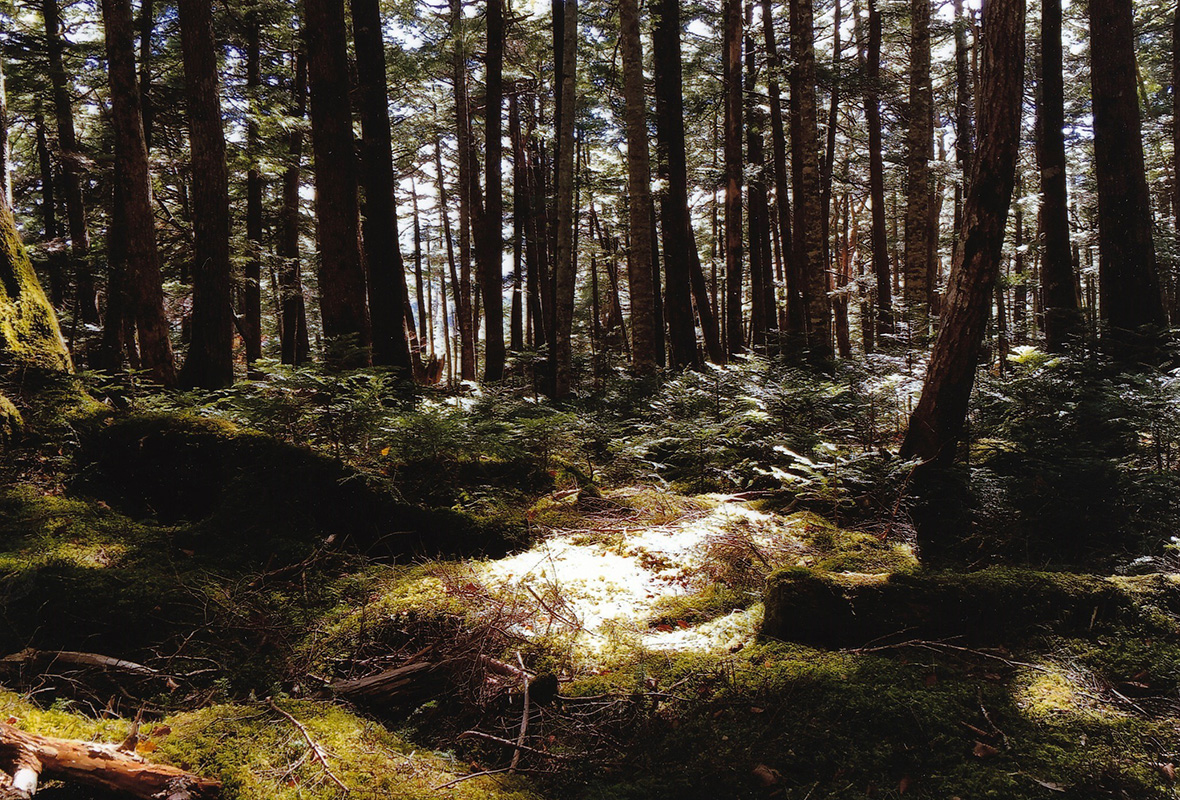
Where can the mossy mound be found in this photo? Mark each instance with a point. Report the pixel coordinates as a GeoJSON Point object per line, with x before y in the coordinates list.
{"type": "Point", "coordinates": [29, 334]}
{"type": "Point", "coordinates": [252, 490]}
{"type": "Point", "coordinates": [992, 605]}
{"type": "Point", "coordinates": [257, 753]}
{"type": "Point", "coordinates": [10, 420]}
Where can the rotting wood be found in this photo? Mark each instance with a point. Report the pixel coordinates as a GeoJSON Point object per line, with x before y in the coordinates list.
{"type": "Point", "coordinates": [29, 755]}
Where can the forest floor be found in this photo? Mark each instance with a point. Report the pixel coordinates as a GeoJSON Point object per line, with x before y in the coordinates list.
{"type": "Point", "coordinates": [634, 613]}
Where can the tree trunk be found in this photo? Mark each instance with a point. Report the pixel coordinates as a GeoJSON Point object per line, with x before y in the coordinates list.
{"type": "Point", "coordinates": [793, 279]}
{"type": "Point", "coordinates": [520, 225]}
{"type": "Point", "coordinates": [675, 220]}
{"type": "Point", "coordinates": [139, 232]}
{"type": "Point", "coordinates": [492, 236]}
{"type": "Point", "coordinates": [762, 315]}
{"type": "Point", "coordinates": [566, 258]}
{"type": "Point", "coordinates": [146, 27]}
{"type": "Point", "coordinates": [733, 176]}
{"type": "Point", "coordinates": [252, 285]}
{"type": "Point", "coordinates": [86, 296]}
{"type": "Point", "coordinates": [5, 161]}
{"type": "Point", "coordinates": [1129, 283]}
{"type": "Point", "coordinates": [829, 163]}
{"type": "Point", "coordinates": [58, 282]}
{"type": "Point", "coordinates": [639, 254]}
{"type": "Point", "coordinates": [937, 421]}
{"type": "Point", "coordinates": [880, 237]}
{"type": "Point", "coordinates": [463, 308]}
{"type": "Point", "coordinates": [1175, 154]}
{"type": "Point", "coordinates": [209, 364]}
{"type": "Point", "coordinates": [805, 150]}
{"type": "Point", "coordinates": [295, 345]}
{"type": "Point", "coordinates": [383, 256]}
{"type": "Point", "coordinates": [920, 180]}
{"type": "Point", "coordinates": [341, 273]}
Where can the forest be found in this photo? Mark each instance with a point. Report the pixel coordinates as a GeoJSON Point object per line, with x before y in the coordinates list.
{"type": "Point", "coordinates": [525, 401]}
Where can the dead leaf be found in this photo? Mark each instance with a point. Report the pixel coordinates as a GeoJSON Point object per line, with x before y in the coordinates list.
{"type": "Point", "coordinates": [161, 730]}
{"type": "Point", "coordinates": [982, 750]}
{"type": "Point", "coordinates": [145, 747]}
{"type": "Point", "coordinates": [766, 776]}
{"type": "Point", "coordinates": [1167, 772]}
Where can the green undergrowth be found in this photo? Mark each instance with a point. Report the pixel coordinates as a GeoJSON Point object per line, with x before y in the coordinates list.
{"type": "Point", "coordinates": [255, 752]}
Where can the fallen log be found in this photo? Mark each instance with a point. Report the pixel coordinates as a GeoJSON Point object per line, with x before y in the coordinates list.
{"type": "Point", "coordinates": [392, 685]}
{"type": "Point", "coordinates": [29, 755]}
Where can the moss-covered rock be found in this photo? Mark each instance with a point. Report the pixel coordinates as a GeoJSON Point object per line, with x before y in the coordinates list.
{"type": "Point", "coordinates": [29, 334]}
{"type": "Point", "coordinates": [10, 420]}
{"type": "Point", "coordinates": [991, 605]}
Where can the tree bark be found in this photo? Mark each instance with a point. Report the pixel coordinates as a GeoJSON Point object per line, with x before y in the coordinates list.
{"type": "Point", "coordinates": [639, 254]}
{"type": "Point", "coordinates": [85, 294]}
{"type": "Point", "coordinates": [564, 272]}
{"type": "Point", "coordinates": [383, 256]}
{"type": "Point", "coordinates": [1129, 283]}
{"type": "Point", "coordinates": [761, 313]}
{"type": "Point", "coordinates": [295, 344]}
{"type": "Point", "coordinates": [341, 274]}
{"type": "Point", "coordinates": [675, 220]}
{"type": "Point", "coordinates": [492, 236]}
{"type": "Point", "coordinates": [209, 364]}
{"type": "Point", "coordinates": [920, 180]}
{"type": "Point", "coordinates": [805, 150]}
{"type": "Point", "coordinates": [463, 307]}
{"type": "Point", "coordinates": [937, 421]}
{"type": "Point", "coordinates": [880, 237]}
{"type": "Point", "coordinates": [139, 232]}
{"type": "Point", "coordinates": [252, 284]}
{"type": "Point", "coordinates": [520, 224]}
{"type": "Point", "coordinates": [735, 338]}
{"type": "Point", "coordinates": [58, 282]}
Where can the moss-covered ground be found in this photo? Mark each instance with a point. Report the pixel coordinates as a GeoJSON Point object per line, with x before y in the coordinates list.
{"type": "Point", "coordinates": [241, 568]}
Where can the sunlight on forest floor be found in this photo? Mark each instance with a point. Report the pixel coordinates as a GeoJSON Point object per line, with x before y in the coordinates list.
{"type": "Point", "coordinates": [630, 581]}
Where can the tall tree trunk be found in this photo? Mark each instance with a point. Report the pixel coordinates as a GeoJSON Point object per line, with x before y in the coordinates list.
{"type": "Point", "coordinates": [733, 175]}
{"type": "Point", "coordinates": [1175, 309]}
{"type": "Point", "coordinates": [492, 236]}
{"type": "Point", "coordinates": [5, 162]}
{"type": "Point", "coordinates": [829, 163]}
{"type": "Point", "coordinates": [675, 221]}
{"type": "Point", "coordinates": [879, 234]}
{"type": "Point", "coordinates": [564, 270]}
{"type": "Point", "coordinates": [805, 151]}
{"type": "Point", "coordinates": [761, 317]}
{"type": "Point", "coordinates": [520, 213]}
{"type": "Point", "coordinates": [252, 288]}
{"type": "Point", "coordinates": [963, 126]}
{"type": "Point", "coordinates": [1019, 287]}
{"type": "Point", "coordinates": [421, 283]}
{"type": "Point", "coordinates": [58, 282]}
{"type": "Point", "coordinates": [341, 274]}
{"type": "Point", "coordinates": [86, 296]}
{"type": "Point", "coordinates": [139, 230]}
{"type": "Point", "coordinates": [1129, 283]}
{"type": "Point", "coordinates": [146, 28]}
{"type": "Point", "coordinates": [467, 327]}
{"type": "Point", "coordinates": [210, 363]}
{"type": "Point", "coordinates": [937, 421]}
{"type": "Point", "coordinates": [383, 255]}
{"type": "Point", "coordinates": [295, 344]}
{"type": "Point", "coordinates": [920, 179]}
{"type": "Point", "coordinates": [639, 254]}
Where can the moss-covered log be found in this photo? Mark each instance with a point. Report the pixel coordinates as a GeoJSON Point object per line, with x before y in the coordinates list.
{"type": "Point", "coordinates": [989, 606]}
{"type": "Point", "coordinates": [29, 334]}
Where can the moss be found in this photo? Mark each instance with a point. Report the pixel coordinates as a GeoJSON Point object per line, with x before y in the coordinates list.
{"type": "Point", "coordinates": [693, 609]}
{"type": "Point", "coordinates": [10, 420]}
{"type": "Point", "coordinates": [29, 334]}
{"type": "Point", "coordinates": [996, 604]}
{"type": "Point", "coordinates": [257, 753]}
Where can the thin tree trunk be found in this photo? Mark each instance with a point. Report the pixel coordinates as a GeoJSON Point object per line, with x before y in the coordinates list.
{"type": "Point", "coordinates": [462, 316]}
{"type": "Point", "coordinates": [421, 282]}
{"type": "Point", "coordinates": [209, 364]}
{"type": "Point", "coordinates": [879, 234]}
{"type": "Point", "coordinates": [761, 317]}
{"type": "Point", "coordinates": [343, 309]}
{"type": "Point", "coordinates": [826, 175]}
{"type": "Point", "coordinates": [146, 28]}
{"type": "Point", "coordinates": [383, 256]}
{"type": "Point", "coordinates": [639, 253]}
{"type": "Point", "coordinates": [733, 175]}
{"type": "Point", "coordinates": [520, 213]}
{"type": "Point", "coordinates": [58, 282]}
{"type": "Point", "coordinates": [1129, 283]}
{"type": "Point", "coordinates": [86, 295]}
{"type": "Point", "coordinates": [5, 161]}
{"type": "Point", "coordinates": [295, 344]}
{"type": "Point", "coordinates": [937, 421]}
{"type": "Point", "coordinates": [467, 327]}
{"type": "Point", "coordinates": [252, 288]}
{"type": "Point", "coordinates": [139, 231]}
{"type": "Point", "coordinates": [920, 180]}
{"type": "Point", "coordinates": [492, 237]}
{"type": "Point", "coordinates": [564, 271]}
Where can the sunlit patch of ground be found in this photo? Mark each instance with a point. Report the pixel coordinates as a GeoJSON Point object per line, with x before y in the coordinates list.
{"type": "Point", "coordinates": [620, 577]}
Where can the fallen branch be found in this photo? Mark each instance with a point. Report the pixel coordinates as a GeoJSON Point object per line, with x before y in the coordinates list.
{"type": "Point", "coordinates": [28, 755]}
{"type": "Point", "coordinates": [524, 720]}
{"type": "Point", "coordinates": [509, 743]}
{"type": "Point", "coordinates": [317, 752]}
{"type": "Point", "coordinates": [469, 776]}
{"type": "Point", "coordinates": [76, 659]}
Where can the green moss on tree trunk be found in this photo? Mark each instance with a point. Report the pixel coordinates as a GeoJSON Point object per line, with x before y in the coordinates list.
{"type": "Point", "coordinates": [29, 334]}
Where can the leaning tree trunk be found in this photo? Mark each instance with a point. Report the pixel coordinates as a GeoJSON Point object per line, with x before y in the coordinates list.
{"type": "Point", "coordinates": [639, 254]}
{"type": "Point", "coordinates": [937, 422]}
{"type": "Point", "coordinates": [142, 258]}
{"type": "Point", "coordinates": [1129, 282]}
{"type": "Point", "coordinates": [209, 364]}
{"type": "Point", "coordinates": [383, 256]}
